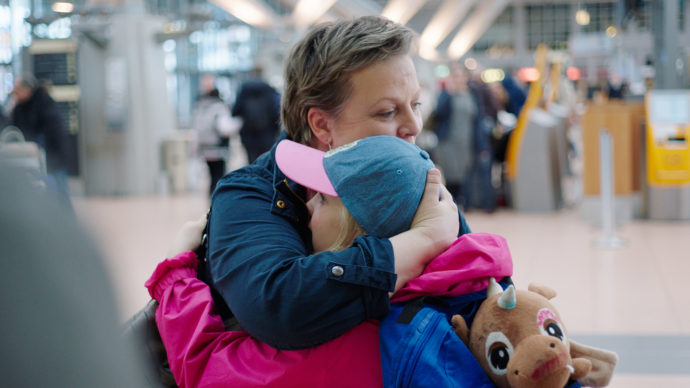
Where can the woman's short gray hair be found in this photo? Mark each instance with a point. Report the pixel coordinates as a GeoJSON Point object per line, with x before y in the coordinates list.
{"type": "Point", "coordinates": [318, 70]}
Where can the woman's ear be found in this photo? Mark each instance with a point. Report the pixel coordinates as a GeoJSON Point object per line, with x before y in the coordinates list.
{"type": "Point", "coordinates": [318, 122]}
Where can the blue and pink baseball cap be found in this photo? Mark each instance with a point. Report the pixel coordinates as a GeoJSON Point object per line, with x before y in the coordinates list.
{"type": "Point", "coordinates": [379, 179]}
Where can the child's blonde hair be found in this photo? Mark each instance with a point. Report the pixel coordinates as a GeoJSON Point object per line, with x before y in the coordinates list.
{"type": "Point", "coordinates": [349, 230]}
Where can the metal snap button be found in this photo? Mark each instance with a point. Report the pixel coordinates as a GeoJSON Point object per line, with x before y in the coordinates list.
{"type": "Point", "coordinates": [281, 204]}
{"type": "Point", "coordinates": [337, 271]}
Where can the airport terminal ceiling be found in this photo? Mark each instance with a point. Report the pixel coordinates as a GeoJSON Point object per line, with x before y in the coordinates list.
{"type": "Point", "coordinates": [437, 21]}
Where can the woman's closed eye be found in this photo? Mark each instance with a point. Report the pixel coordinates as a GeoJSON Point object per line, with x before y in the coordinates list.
{"type": "Point", "coordinates": [322, 198]}
{"type": "Point", "coordinates": [387, 114]}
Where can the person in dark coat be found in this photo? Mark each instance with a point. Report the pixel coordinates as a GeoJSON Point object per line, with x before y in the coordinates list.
{"type": "Point", "coordinates": [516, 96]}
{"type": "Point", "coordinates": [464, 150]}
{"type": "Point", "coordinates": [258, 104]}
{"type": "Point", "coordinates": [36, 114]}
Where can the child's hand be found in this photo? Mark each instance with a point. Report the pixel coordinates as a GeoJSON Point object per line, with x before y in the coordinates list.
{"type": "Point", "coordinates": [189, 237]}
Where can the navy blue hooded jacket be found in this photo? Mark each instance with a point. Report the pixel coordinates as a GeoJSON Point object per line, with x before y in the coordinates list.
{"type": "Point", "coordinates": [262, 270]}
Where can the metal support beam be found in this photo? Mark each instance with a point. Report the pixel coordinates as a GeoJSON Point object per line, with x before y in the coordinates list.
{"type": "Point", "coordinates": [665, 26]}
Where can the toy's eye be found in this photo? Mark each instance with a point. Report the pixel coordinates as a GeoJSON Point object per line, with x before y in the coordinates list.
{"type": "Point", "coordinates": [499, 357]}
{"type": "Point", "coordinates": [498, 352]}
{"type": "Point", "coordinates": [549, 325]}
{"type": "Point", "coordinates": [554, 330]}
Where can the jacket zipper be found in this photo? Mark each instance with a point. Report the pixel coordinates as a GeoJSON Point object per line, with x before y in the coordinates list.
{"type": "Point", "coordinates": [428, 329]}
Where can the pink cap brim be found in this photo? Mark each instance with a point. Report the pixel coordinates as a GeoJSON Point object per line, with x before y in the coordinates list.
{"type": "Point", "coordinates": [304, 165]}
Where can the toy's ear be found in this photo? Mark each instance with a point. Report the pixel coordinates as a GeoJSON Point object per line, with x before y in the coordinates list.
{"type": "Point", "coordinates": [603, 364]}
{"type": "Point", "coordinates": [460, 328]}
{"type": "Point", "coordinates": [545, 291]}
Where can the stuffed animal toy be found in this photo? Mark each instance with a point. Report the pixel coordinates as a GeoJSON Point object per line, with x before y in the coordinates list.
{"type": "Point", "coordinates": [519, 339]}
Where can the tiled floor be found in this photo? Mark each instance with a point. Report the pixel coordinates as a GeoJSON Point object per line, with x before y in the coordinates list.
{"type": "Point", "coordinates": [632, 300]}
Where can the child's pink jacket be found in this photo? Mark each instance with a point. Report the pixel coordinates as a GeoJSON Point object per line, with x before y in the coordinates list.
{"type": "Point", "coordinates": [202, 353]}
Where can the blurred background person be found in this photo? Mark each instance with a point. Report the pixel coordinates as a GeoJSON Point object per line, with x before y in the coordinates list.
{"type": "Point", "coordinates": [258, 104]}
{"type": "Point", "coordinates": [618, 87]}
{"type": "Point", "coordinates": [464, 150]}
{"type": "Point", "coordinates": [214, 125]}
{"type": "Point", "coordinates": [37, 115]}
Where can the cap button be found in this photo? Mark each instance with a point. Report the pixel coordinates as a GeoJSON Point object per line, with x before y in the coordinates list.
{"type": "Point", "coordinates": [337, 271]}
{"type": "Point", "coordinates": [424, 154]}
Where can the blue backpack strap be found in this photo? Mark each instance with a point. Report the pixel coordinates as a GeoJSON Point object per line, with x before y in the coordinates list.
{"type": "Point", "coordinates": [412, 307]}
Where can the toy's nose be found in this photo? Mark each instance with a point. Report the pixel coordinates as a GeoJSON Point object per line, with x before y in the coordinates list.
{"type": "Point", "coordinates": [539, 361]}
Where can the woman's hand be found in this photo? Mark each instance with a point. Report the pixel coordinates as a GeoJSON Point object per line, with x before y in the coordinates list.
{"type": "Point", "coordinates": [435, 226]}
{"type": "Point", "coordinates": [437, 214]}
{"type": "Point", "coordinates": [188, 237]}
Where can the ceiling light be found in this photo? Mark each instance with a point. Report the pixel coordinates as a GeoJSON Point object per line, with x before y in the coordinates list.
{"type": "Point", "coordinates": [493, 75]}
{"type": "Point", "coordinates": [253, 12]}
{"type": "Point", "coordinates": [445, 19]}
{"type": "Point", "coordinates": [471, 64]}
{"type": "Point", "coordinates": [441, 71]}
{"type": "Point", "coordinates": [573, 73]}
{"type": "Point", "coordinates": [484, 15]}
{"type": "Point", "coordinates": [429, 53]}
{"type": "Point", "coordinates": [401, 11]}
{"type": "Point", "coordinates": [528, 74]}
{"type": "Point", "coordinates": [309, 11]}
{"type": "Point", "coordinates": [582, 17]}
{"type": "Point", "coordinates": [611, 31]}
{"type": "Point", "coordinates": [63, 7]}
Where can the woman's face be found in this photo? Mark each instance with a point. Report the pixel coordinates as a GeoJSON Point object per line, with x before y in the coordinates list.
{"type": "Point", "coordinates": [326, 218]}
{"type": "Point", "coordinates": [384, 101]}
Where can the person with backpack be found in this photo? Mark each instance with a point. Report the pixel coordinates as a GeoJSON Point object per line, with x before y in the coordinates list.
{"type": "Point", "coordinates": [370, 187]}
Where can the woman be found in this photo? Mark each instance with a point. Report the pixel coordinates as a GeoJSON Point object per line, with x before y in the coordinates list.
{"type": "Point", "coordinates": [464, 149]}
{"type": "Point", "coordinates": [344, 81]}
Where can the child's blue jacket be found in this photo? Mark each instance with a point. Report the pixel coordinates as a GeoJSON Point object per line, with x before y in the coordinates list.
{"type": "Point", "coordinates": [418, 345]}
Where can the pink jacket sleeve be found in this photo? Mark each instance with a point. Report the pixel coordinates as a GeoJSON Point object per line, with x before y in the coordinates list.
{"type": "Point", "coordinates": [202, 353]}
{"type": "Point", "coordinates": [194, 336]}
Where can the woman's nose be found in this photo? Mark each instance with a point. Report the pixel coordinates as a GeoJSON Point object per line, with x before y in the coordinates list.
{"type": "Point", "coordinates": [411, 126]}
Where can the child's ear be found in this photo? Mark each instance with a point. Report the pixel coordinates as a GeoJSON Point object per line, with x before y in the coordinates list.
{"type": "Point", "coordinates": [460, 328]}
{"type": "Point", "coordinates": [319, 123]}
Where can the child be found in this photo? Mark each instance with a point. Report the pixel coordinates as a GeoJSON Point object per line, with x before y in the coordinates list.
{"type": "Point", "coordinates": [371, 186]}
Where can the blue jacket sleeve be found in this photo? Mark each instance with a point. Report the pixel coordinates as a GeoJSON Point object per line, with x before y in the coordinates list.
{"type": "Point", "coordinates": [464, 228]}
{"type": "Point", "coordinates": [260, 264]}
